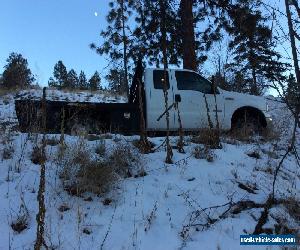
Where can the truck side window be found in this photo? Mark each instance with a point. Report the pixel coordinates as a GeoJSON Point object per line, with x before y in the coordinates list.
{"type": "Point", "coordinates": [192, 81]}
{"type": "Point", "coordinates": [158, 79]}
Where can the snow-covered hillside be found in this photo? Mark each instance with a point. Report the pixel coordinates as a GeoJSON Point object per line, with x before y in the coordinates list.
{"type": "Point", "coordinates": [173, 206]}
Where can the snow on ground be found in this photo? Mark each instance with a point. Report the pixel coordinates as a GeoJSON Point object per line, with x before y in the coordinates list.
{"type": "Point", "coordinates": [148, 212]}
{"type": "Point", "coordinates": [7, 109]}
{"type": "Point", "coordinates": [76, 96]}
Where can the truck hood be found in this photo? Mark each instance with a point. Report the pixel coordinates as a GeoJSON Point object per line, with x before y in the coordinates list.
{"type": "Point", "coordinates": [245, 99]}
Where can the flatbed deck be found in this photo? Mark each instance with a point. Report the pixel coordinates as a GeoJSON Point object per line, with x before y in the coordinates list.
{"type": "Point", "coordinates": [72, 116]}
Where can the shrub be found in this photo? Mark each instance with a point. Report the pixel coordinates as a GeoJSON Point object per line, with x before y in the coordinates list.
{"type": "Point", "coordinates": [254, 154]}
{"type": "Point", "coordinates": [82, 171]}
{"type": "Point", "coordinates": [125, 160]}
{"type": "Point", "coordinates": [6, 100]}
{"type": "Point", "coordinates": [21, 221]}
{"type": "Point", "coordinates": [7, 152]}
{"type": "Point", "coordinates": [203, 153]}
{"type": "Point", "coordinates": [293, 207]}
{"type": "Point", "coordinates": [52, 141]}
{"type": "Point", "coordinates": [63, 208]}
{"type": "Point", "coordinates": [96, 177]}
{"type": "Point", "coordinates": [91, 137]}
{"type": "Point", "coordinates": [208, 137]}
{"type": "Point", "coordinates": [100, 148]}
{"type": "Point", "coordinates": [37, 156]}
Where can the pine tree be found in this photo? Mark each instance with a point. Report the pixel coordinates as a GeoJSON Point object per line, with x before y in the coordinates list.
{"type": "Point", "coordinates": [292, 92]}
{"type": "Point", "coordinates": [147, 34]}
{"type": "Point", "coordinates": [117, 41]}
{"type": "Point", "coordinates": [82, 82]}
{"type": "Point", "coordinates": [60, 74]}
{"type": "Point", "coordinates": [115, 79]}
{"type": "Point", "coordinates": [294, 34]}
{"type": "Point", "coordinates": [16, 72]}
{"type": "Point", "coordinates": [184, 43]}
{"type": "Point", "coordinates": [72, 79]}
{"type": "Point", "coordinates": [95, 81]}
{"type": "Point", "coordinates": [52, 82]}
{"type": "Point", "coordinates": [254, 49]}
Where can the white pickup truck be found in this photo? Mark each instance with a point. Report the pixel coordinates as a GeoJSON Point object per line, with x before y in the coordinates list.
{"type": "Point", "coordinates": [190, 90]}
{"type": "Point", "coordinates": [193, 94]}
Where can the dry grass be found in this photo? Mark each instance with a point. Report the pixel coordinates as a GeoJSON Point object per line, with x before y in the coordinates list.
{"type": "Point", "coordinates": [146, 147]}
{"type": "Point", "coordinates": [6, 91]}
{"type": "Point", "coordinates": [100, 148]}
{"type": "Point", "coordinates": [52, 141]}
{"type": "Point", "coordinates": [82, 171]}
{"type": "Point", "coordinates": [8, 152]}
{"type": "Point", "coordinates": [96, 177]}
{"type": "Point", "coordinates": [14, 90]}
{"type": "Point", "coordinates": [37, 157]}
{"type": "Point", "coordinates": [208, 137]}
{"type": "Point", "coordinates": [92, 137]}
{"type": "Point", "coordinates": [247, 135]}
{"type": "Point", "coordinates": [203, 152]}
{"type": "Point", "coordinates": [21, 221]}
{"type": "Point", "coordinates": [293, 207]}
{"type": "Point", "coordinates": [125, 160]}
{"type": "Point", "coordinates": [20, 224]}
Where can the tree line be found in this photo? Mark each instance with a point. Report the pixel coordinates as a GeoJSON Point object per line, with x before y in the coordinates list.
{"type": "Point", "coordinates": [64, 79]}
{"type": "Point", "coordinates": [17, 74]}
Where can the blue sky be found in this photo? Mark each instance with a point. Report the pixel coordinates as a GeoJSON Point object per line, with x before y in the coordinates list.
{"type": "Point", "coordinates": [45, 31]}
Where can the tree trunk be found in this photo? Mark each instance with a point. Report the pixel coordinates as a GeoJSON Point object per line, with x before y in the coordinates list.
{"type": "Point", "coordinates": [40, 217]}
{"type": "Point", "coordinates": [124, 50]}
{"type": "Point", "coordinates": [293, 43]}
{"type": "Point", "coordinates": [189, 48]}
{"type": "Point", "coordinates": [162, 5]}
{"type": "Point", "coordinates": [254, 87]}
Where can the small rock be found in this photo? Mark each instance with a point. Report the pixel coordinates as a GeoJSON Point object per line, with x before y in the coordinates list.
{"type": "Point", "coordinates": [106, 202]}
{"type": "Point", "coordinates": [63, 208]}
{"type": "Point", "coordinates": [86, 231]}
{"type": "Point", "coordinates": [254, 155]}
{"type": "Point", "coordinates": [191, 179]}
{"type": "Point", "coordinates": [88, 198]}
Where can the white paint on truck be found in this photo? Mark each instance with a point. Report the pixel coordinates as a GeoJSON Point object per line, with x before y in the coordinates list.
{"type": "Point", "coordinates": [192, 89]}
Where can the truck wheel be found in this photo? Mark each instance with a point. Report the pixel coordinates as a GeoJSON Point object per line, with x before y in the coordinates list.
{"type": "Point", "coordinates": [247, 124]}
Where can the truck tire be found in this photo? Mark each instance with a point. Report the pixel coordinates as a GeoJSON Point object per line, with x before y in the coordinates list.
{"type": "Point", "coordinates": [247, 123]}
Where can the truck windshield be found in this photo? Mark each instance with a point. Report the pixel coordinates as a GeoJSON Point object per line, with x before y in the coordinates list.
{"type": "Point", "coordinates": [192, 81]}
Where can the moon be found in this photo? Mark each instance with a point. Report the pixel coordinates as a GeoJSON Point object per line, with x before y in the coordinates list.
{"type": "Point", "coordinates": [96, 13]}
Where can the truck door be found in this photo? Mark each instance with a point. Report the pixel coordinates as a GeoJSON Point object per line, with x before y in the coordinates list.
{"type": "Point", "coordinates": [191, 87]}
{"type": "Point", "coordinates": [155, 101]}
